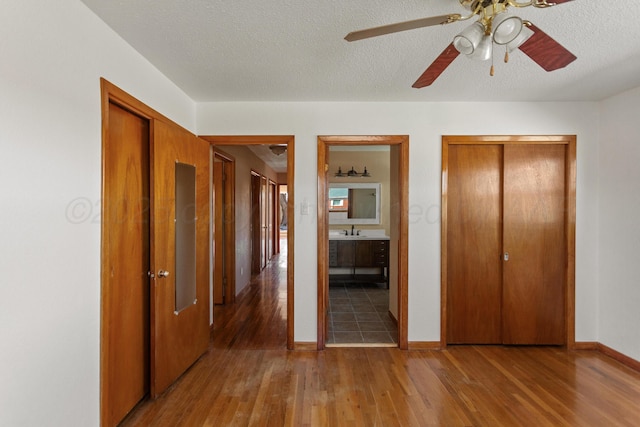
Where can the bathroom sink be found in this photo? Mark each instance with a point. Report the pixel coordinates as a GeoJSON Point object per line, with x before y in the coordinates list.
{"type": "Point", "coordinates": [364, 235]}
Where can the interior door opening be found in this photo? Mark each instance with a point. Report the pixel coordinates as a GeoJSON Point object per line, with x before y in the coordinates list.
{"type": "Point", "coordinates": [357, 252]}
{"type": "Point", "coordinates": [255, 240]}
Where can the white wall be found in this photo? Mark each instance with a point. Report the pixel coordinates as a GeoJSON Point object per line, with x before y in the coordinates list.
{"type": "Point", "coordinates": [618, 224]}
{"type": "Point", "coordinates": [425, 123]}
{"type": "Point", "coordinates": [52, 55]}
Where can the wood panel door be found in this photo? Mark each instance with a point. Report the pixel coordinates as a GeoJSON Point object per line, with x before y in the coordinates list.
{"type": "Point", "coordinates": [125, 287]}
{"type": "Point", "coordinates": [506, 244]}
{"type": "Point", "coordinates": [218, 232]}
{"type": "Point", "coordinates": [474, 236]}
{"type": "Point", "coordinates": [256, 225]}
{"type": "Point", "coordinates": [179, 314]}
{"type": "Point", "coordinates": [264, 221]}
{"type": "Point", "coordinates": [534, 230]}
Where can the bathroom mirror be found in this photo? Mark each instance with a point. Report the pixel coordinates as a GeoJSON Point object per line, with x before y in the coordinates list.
{"type": "Point", "coordinates": [354, 203]}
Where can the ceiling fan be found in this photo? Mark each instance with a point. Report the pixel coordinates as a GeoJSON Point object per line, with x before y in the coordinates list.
{"type": "Point", "coordinates": [494, 26]}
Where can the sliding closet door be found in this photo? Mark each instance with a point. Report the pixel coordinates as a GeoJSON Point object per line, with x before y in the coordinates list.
{"type": "Point", "coordinates": [534, 239]}
{"type": "Point", "coordinates": [474, 235]}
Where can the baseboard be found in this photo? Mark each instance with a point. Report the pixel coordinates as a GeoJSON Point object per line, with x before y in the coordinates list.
{"type": "Point", "coordinates": [622, 358]}
{"type": "Point", "coordinates": [425, 345]}
{"type": "Point", "coordinates": [585, 346]}
{"type": "Point", "coordinates": [608, 351]}
{"type": "Point", "coordinates": [305, 346]}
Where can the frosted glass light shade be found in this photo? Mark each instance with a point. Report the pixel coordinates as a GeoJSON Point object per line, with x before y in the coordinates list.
{"type": "Point", "coordinates": [467, 41]}
{"type": "Point", "coordinates": [483, 50]}
{"type": "Point", "coordinates": [506, 28]}
{"type": "Point", "coordinates": [524, 35]}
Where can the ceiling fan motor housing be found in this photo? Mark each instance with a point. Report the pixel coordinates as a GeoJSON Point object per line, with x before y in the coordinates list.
{"type": "Point", "coordinates": [473, 4]}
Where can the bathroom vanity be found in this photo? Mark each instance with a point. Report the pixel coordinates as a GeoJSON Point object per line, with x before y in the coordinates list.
{"type": "Point", "coordinates": [359, 255]}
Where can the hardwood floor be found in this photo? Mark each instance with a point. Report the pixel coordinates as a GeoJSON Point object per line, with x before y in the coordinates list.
{"type": "Point", "coordinates": [247, 377]}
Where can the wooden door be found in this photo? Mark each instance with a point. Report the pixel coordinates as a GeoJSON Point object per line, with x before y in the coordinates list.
{"type": "Point", "coordinates": [125, 287]}
{"type": "Point", "coordinates": [264, 220]}
{"type": "Point", "coordinates": [179, 315]}
{"type": "Point", "coordinates": [507, 243]}
{"type": "Point", "coordinates": [474, 236]}
{"type": "Point", "coordinates": [272, 224]}
{"type": "Point", "coordinates": [534, 238]}
{"type": "Point", "coordinates": [256, 225]}
{"type": "Point", "coordinates": [218, 232]}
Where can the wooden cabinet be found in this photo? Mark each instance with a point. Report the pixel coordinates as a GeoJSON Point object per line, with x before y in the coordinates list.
{"type": "Point", "coordinates": [341, 253]}
{"type": "Point", "coordinates": [355, 253]}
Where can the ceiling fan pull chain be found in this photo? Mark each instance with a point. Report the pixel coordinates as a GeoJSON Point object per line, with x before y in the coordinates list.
{"type": "Point", "coordinates": [492, 72]}
{"type": "Point", "coordinates": [506, 55]}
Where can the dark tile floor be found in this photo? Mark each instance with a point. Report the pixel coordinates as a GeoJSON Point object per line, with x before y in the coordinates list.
{"type": "Point", "coordinates": [359, 313]}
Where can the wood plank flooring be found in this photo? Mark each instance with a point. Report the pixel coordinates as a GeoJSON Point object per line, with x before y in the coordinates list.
{"type": "Point", "coordinates": [247, 377]}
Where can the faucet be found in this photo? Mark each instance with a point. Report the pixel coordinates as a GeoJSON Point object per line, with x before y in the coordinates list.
{"type": "Point", "coordinates": [352, 226]}
{"type": "Point", "coordinates": [346, 233]}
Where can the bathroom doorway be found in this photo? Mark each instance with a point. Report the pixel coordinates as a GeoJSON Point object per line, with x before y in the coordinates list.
{"type": "Point", "coordinates": [362, 258]}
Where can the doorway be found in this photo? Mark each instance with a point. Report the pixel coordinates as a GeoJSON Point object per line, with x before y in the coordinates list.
{"type": "Point", "coordinates": [398, 227]}
{"type": "Point", "coordinates": [218, 143]}
{"type": "Point", "coordinates": [514, 251]}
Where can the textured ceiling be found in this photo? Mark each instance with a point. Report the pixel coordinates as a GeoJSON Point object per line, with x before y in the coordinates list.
{"type": "Point", "coordinates": [293, 50]}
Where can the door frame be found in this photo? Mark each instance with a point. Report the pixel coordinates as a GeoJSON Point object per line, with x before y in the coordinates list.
{"type": "Point", "coordinates": [400, 142]}
{"type": "Point", "coordinates": [289, 141]}
{"type": "Point", "coordinates": [570, 218]}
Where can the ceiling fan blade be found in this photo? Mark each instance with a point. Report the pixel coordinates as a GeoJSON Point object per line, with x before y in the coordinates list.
{"type": "Point", "coordinates": [437, 67]}
{"type": "Point", "coordinates": [559, 1]}
{"type": "Point", "coordinates": [545, 51]}
{"type": "Point", "coordinates": [401, 26]}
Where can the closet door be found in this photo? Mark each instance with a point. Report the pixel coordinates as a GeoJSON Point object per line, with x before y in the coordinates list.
{"type": "Point", "coordinates": [474, 236]}
{"type": "Point", "coordinates": [534, 239]}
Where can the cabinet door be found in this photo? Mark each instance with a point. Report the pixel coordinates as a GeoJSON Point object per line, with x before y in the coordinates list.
{"type": "Point", "coordinates": [363, 253]}
{"type": "Point", "coordinates": [345, 253]}
{"type": "Point", "coordinates": [534, 227]}
{"type": "Point", "coordinates": [333, 253]}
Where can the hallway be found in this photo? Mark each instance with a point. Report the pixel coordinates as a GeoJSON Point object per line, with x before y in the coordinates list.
{"type": "Point", "coordinates": [258, 319]}
{"type": "Point", "coordinates": [247, 377]}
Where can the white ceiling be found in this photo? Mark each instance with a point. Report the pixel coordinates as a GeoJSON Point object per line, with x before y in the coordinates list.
{"type": "Point", "coordinates": [293, 50]}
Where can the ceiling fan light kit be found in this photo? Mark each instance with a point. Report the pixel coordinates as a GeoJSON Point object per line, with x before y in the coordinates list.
{"type": "Point", "coordinates": [494, 26]}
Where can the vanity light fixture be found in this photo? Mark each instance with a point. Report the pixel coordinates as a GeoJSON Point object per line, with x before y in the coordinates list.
{"type": "Point", "coordinates": [352, 173]}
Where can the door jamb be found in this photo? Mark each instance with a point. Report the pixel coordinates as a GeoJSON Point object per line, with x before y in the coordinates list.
{"type": "Point", "coordinates": [402, 143]}
{"type": "Point", "coordinates": [570, 219]}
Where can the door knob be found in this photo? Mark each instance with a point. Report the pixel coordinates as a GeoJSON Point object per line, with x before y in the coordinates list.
{"type": "Point", "coordinates": [163, 273]}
